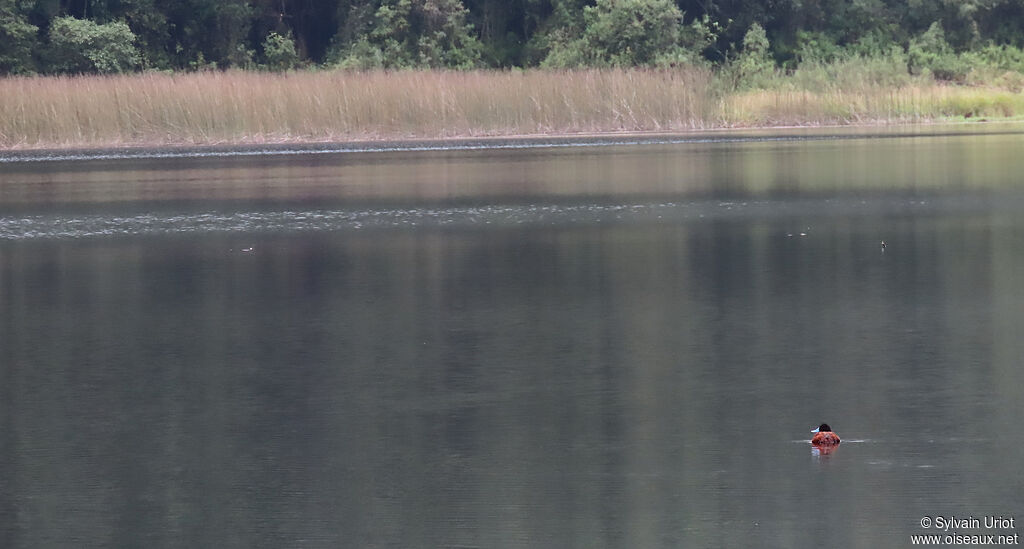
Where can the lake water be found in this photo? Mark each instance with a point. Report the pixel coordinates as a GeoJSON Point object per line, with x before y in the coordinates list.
{"type": "Point", "coordinates": [594, 346]}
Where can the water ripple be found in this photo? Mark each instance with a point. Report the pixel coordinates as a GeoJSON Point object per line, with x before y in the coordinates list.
{"type": "Point", "coordinates": [317, 149]}
{"type": "Point", "coordinates": [495, 143]}
{"type": "Point", "coordinates": [93, 225]}
{"type": "Point", "coordinates": [63, 225]}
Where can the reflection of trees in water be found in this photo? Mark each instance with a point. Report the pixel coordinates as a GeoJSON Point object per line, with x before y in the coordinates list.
{"type": "Point", "coordinates": [604, 386]}
{"type": "Point", "coordinates": [802, 164]}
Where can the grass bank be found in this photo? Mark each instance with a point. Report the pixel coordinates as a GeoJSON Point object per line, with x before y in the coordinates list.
{"type": "Point", "coordinates": [249, 107]}
{"type": "Point", "coordinates": [910, 104]}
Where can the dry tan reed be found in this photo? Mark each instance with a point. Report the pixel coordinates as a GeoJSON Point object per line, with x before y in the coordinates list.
{"type": "Point", "coordinates": [203, 108]}
{"type": "Point", "coordinates": [247, 107]}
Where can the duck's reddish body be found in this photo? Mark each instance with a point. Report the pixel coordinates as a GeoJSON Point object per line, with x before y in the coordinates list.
{"type": "Point", "coordinates": [826, 438]}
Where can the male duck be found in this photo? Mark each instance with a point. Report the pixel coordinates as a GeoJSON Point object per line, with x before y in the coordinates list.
{"type": "Point", "coordinates": [823, 436]}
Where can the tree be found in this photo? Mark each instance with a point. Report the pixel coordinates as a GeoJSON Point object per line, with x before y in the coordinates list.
{"type": "Point", "coordinates": [930, 51]}
{"type": "Point", "coordinates": [447, 40]}
{"type": "Point", "coordinates": [622, 33]}
{"type": "Point", "coordinates": [78, 45]}
{"type": "Point", "coordinates": [407, 34]}
{"type": "Point", "coordinates": [150, 26]}
{"type": "Point", "coordinates": [312, 23]}
{"type": "Point", "coordinates": [279, 52]}
{"type": "Point", "coordinates": [17, 40]}
{"type": "Point", "coordinates": [231, 21]}
{"type": "Point", "coordinates": [505, 28]}
{"type": "Point", "coordinates": [754, 66]}
{"type": "Point", "coordinates": [205, 32]}
{"type": "Point", "coordinates": [193, 34]}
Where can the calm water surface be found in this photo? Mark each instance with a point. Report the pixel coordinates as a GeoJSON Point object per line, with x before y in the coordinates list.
{"type": "Point", "coordinates": [614, 346]}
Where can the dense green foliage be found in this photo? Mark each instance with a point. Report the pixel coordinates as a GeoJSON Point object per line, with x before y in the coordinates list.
{"type": "Point", "coordinates": [279, 52]}
{"type": "Point", "coordinates": [931, 52]}
{"type": "Point", "coordinates": [753, 67]}
{"type": "Point", "coordinates": [752, 40]}
{"type": "Point", "coordinates": [80, 45]}
{"type": "Point", "coordinates": [406, 33]}
{"type": "Point", "coordinates": [17, 39]}
{"type": "Point", "coordinates": [622, 33]}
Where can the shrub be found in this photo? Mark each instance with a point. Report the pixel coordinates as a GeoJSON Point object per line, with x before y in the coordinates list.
{"type": "Point", "coordinates": [407, 34]}
{"type": "Point", "coordinates": [931, 52]}
{"type": "Point", "coordinates": [1004, 57]}
{"type": "Point", "coordinates": [78, 45]}
{"type": "Point", "coordinates": [242, 57]}
{"type": "Point", "coordinates": [852, 71]}
{"type": "Point", "coordinates": [447, 39]}
{"type": "Point", "coordinates": [279, 52]}
{"type": "Point", "coordinates": [817, 47]}
{"type": "Point", "coordinates": [754, 66]}
{"type": "Point", "coordinates": [629, 33]}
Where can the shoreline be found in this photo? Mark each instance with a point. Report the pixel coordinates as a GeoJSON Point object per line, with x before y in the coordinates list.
{"type": "Point", "coordinates": [248, 113]}
{"type": "Point", "coordinates": [270, 147]}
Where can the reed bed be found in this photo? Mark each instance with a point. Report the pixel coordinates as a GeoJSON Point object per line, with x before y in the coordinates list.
{"type": "Point", "coordinates": [249, 107]}
{"type": "Point", "coordinates": [245, 107]}
{"type": "Point", "coordinates": [878, 105]}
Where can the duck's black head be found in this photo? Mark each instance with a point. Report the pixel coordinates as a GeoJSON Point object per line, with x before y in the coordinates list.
{"type": "Point", "coordinates": [823, 428]}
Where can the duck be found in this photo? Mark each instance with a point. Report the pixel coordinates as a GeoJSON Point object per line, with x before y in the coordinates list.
{"type": "Point", "coordinates": [823, 436]}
